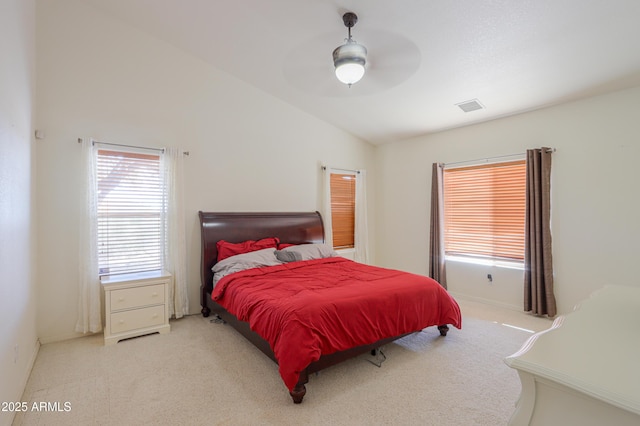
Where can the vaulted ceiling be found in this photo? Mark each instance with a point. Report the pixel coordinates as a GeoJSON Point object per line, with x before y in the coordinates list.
{"type": "Point", "coordinates": [424, 56]}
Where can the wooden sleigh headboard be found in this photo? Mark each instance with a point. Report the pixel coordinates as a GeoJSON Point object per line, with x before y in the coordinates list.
{"type": "Point", "coordinates": [292, 228]}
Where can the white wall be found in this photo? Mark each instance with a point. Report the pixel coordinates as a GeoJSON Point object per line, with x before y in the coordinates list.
{"type": "Point", "coordinates": [100, 77]}
{"type": "Point", "coordinates": [17, 252]}
{"type": "Point", "coordinates": [595, 200]}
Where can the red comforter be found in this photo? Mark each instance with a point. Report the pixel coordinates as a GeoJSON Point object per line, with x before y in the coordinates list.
{"type": "Point", "coordinates": [315, 307]}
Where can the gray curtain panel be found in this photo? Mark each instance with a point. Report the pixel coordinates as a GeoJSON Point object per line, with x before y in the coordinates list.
{"type": "Point", "coordinates": [539, 298]}
{"type": "Point", "coordinates": [437, 269]}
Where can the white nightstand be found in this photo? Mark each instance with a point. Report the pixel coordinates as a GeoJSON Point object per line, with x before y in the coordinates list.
{"type": "Point", "coordinates": [136, 304]}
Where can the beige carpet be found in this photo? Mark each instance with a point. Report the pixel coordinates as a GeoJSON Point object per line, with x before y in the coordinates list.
{"type": "Point", "coordinates": [207, 374]}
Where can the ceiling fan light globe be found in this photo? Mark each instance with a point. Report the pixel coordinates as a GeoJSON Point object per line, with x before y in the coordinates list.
{"type": "Point", "coordinates": [350, 72]}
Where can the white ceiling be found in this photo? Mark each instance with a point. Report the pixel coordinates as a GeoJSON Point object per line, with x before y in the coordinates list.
{"type": "Point", "coordinates": [425, 56]}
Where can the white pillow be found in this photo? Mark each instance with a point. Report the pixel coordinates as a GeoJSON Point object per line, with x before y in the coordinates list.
{"type": "Point", "coordinates": [241, 262]}
{"type": "Point", "coordinates": [305, 252]}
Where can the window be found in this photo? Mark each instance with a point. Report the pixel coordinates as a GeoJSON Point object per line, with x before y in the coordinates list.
{"type": "Point", "coordinates": [130, 212]}
{"type": "Point", "coordinates": [343, 207]}
{"type": "Point", "coordinates": [484, 211]}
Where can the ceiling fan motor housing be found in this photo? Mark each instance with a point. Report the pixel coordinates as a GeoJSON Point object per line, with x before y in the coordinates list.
{"type": "Point", "coordinates": [350, 52]}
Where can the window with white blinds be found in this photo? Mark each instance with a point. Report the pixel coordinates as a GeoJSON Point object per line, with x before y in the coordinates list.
{"type": "Point", "coordinates": [130, 212]}
{"type": "Point", "coordinates": [484, 210]}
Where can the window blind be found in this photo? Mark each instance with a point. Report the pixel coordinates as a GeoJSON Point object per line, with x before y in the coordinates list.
{"type": "Point", "coordinates": [343, 207]}
{"type": "Point", "coordinates": [130, 206]}
{"type": "Point", "coordinates": [484, 210]}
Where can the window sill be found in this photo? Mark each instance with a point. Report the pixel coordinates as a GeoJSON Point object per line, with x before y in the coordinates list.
{"type": "Point", "coordinates": [487, 262]}
{"type": "Point", "coordinates": [110, 279]}
{"type": "Point", "coordinates": [348, 253]}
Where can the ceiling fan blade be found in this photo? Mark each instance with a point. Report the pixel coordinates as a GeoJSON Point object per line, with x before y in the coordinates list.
{"type": "Point", "coordinates": [391, 59]}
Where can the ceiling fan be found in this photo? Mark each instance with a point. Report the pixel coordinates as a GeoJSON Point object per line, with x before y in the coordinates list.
{"type": "Point", "coordinates": [387, 60]}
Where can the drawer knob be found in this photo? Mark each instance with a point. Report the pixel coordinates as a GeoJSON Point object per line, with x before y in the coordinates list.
{"type": "Point", "coordinates": [155, 316]}
{"type": "Point", "coordinates": [121, 322]}
{"type": "Point", "coordinates": [121, 299]}
{"type": "Point", "coordinates": [155, 295]}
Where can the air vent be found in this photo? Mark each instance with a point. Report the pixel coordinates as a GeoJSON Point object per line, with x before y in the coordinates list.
{"type": "Point", "coordinates": [472, 105]}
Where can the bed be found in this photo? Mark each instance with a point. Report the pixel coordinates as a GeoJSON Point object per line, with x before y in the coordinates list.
{"type": "Point", "coordinates": [374, 325]}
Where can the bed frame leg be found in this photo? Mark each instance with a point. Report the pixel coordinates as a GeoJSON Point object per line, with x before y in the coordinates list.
{"type": "Point", "coordinates": [300, 390]}
{"type": "Point", "coordinates": [298, 393]}
{"type": "Point", "coordinates": [443, 329]}
{"type": "Point", "coordinates": [205, 311]}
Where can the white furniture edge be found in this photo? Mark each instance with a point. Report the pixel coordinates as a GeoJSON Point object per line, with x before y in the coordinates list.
{"type": "Point", "coordinates": [587, 388]}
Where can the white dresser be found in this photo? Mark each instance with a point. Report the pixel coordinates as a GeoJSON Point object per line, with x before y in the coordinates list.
{"type": "Point", "coordinates": [136, 304]}
{"type": "Point", "coordinates": [584, 370]}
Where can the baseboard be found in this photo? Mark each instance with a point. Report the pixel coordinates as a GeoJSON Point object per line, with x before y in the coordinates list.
{"type": "Point", "coordinates": [32, 362]}
{"type": "Point", "coordinates": [63, 337]}
{"type": "Point", "coordinates": [486, 301]}
{"type": "Point", "coordinates": [25, 378]}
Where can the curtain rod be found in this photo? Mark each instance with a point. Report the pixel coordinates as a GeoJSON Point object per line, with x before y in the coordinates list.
{"type": "Point", "coordinates": [487, 159]}
{"type": "Point", "coordinates": [342, 170]}
{"type": "Point", "coordinates": [132, 146]}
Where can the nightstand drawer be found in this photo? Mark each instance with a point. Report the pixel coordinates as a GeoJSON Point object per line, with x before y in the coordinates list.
{"type": "Point", "coordinates": [137, 296]}
{"type": "Point", "coordinates": [137, 318]}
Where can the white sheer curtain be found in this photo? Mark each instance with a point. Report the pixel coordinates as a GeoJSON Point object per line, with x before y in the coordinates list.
{"type": "Point", "coordinates": [326, 206]}
{"type": "Point", "coordinates": [175, 239]}
{"type": "Point", "coordinates": [89, 315]}
{"type": "Point", "coordinates": [361, 233]}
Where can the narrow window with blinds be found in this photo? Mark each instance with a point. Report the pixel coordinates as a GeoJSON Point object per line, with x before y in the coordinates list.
{"type": "Point", "coordinates": [343, 208]}
{"type": "Point", "coordinates": [130, 206]}
{"type": "Point", "coordinates": [484, 211]}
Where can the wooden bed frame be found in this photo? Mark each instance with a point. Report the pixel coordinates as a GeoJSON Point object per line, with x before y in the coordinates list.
{"type": "Point", "coordinates": [292, 228]}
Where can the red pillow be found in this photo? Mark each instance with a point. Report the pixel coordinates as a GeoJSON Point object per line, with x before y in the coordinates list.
{"type": "Point", "coordinates": [227, 249]}
{"type": "Point", "coordinates": [284, 245]}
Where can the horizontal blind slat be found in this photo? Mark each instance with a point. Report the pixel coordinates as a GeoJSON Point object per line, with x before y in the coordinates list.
{"type": "Point", "coordinates": [484, 210]}
{"type": "Point", "coordinates": [130, 208]}
{"type": "Point", "coordinates": [342, 188]}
